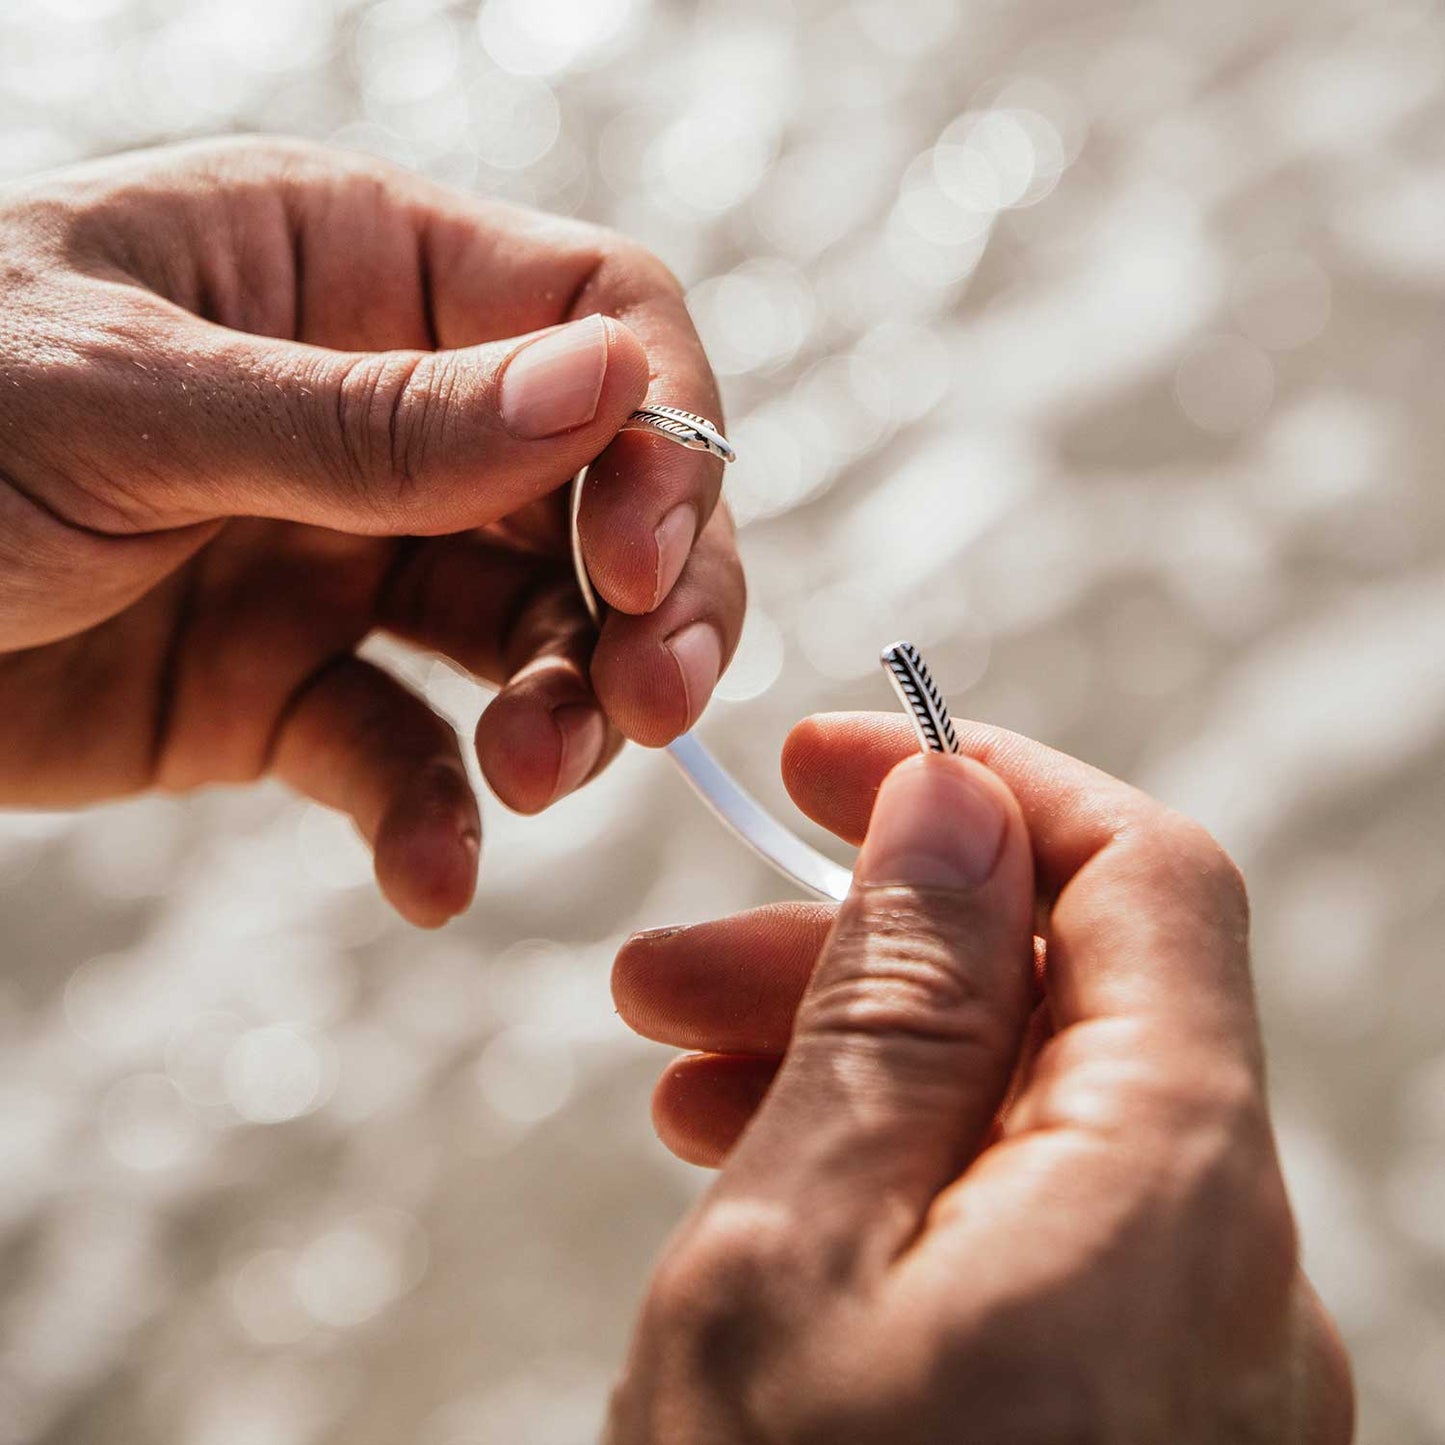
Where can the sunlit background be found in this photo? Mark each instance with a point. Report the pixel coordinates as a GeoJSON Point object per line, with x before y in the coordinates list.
{"type": "Point", "coordinates": [1097, 348]}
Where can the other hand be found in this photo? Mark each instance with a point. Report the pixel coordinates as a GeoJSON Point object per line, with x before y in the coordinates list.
{"type": "Point", "coordinates": [965, 1198]}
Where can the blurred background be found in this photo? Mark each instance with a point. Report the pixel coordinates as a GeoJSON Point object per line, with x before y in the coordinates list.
{"type": "Point", "coordinates": [1121, 325]}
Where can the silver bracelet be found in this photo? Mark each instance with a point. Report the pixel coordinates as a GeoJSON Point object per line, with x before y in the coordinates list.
{"type": "Point", "coordinates": [771, 840]}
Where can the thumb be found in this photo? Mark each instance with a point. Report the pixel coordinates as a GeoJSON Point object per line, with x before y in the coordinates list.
{"type": "Point", "coordinates": [223, 423]}
{"type": "Point", "coordinates": [908, 1033]}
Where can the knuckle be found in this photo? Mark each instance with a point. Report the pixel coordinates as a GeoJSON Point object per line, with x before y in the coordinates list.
{"type": "Point", "coordinates": [1220, 1135]}
{"type": "Point", "coordinates": [896, 970]}
{"type": "Point", "coordinates": [711, 1320]}
{"type": "Point", "coordinates": [634, 272]}
{"type": "Point", "coordinates": [246, 155]}
{"type": "Point", "coordinates": [42, 550]}
{"type": "Point", "coordinates": [1186, 854]}
{"type": "Point", "coordinates": [1216, 1148]}
{"type": "Point", "coordinates": [1185, 1089]}
{"type": "Point", "coordinates": [983, 1365]}
{"type": "Point", "coordinates": [1199, 1112]}
{"type": "Point", "coordinates": [266, 159]}
{"type": "Point", "coordinates": [264, 163]}
{"type": "Point", "coordinates": [1224, 1112]}
{"type": "Point", "coordinates": [63, 386]}
{"type": "Point", "coordinates": [722, 1278]}
{"type": "Point", "coordinates": [1197, 847]}
{"type": "Point", "coordinates": [738, 1247]}
{"type": "Point", "coordinates": [651, 270]}
{"type": "Point", "coordinates": [36, 227]}
{"type": "Point", "coordinates": [381, 425]}
{"type": "Point", "coordinates": [1225, 1184]}
{"type": "Point", "coordinates": [285, 153]}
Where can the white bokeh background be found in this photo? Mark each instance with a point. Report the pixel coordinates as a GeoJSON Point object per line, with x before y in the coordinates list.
{"type": "Point", "coordinates": [1096, 348]}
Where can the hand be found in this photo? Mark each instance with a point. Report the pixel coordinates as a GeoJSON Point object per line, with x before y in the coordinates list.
{"type": "Point", "coordinates": [974, 1205]}
{"type": "Point", "coordinates": [258, 400]}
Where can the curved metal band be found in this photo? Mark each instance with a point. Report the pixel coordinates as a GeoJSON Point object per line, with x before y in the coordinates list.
{"type": "Point", "coordinates": [771, 840]}
{"type": "Point", "coordinates": [920, 697]}
{"type": "Point", "coordinates": [686, 428]}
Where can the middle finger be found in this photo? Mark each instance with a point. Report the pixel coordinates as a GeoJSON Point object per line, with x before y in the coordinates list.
{"type": "Point", "coordinates": [655, 673]}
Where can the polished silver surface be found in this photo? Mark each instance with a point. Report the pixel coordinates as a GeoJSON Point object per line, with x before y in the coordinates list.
{"type": "Point", "coordinates": [686, 428]}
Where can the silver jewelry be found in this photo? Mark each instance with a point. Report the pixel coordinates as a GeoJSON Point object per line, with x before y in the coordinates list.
{"type": "Point", "coordinates": [921, 698]}
{"type": "Point", "coordinates": [771, 840]}
{"type": "Point", "coordinates": [686, 428]}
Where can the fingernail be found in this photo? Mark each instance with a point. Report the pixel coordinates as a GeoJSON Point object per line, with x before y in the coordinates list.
{"type": "Point", "coordinates": [697, 650]}
{"type": "Point", "coordinates": [552, 384]}
{"type": "Point", "coordinates": [675, 535]}
{"type": "Point", "coordinates": [584, 734]}
{"type": "Point", "coordinates": [656, 935]}
{"type": "Point", "coordinates": [934, 826]}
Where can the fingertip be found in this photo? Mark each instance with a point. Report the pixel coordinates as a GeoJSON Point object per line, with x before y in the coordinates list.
{"type": "Point", "coordinates": [641, 687]}
{"type": "Point", "coordinates": [729, 986]}
{"type": "Point", "coordinates": [672, 543]}
{"type": "Point", "coordinates": [429, 877]}
{"type": "Point", "coordinates": [702, 1153]}
{"type": "Point", "coordinates": [519, 749]}
{"type": "Point", "coordinates": [823, 736]}
{"type": "Point", "coordinates": [634, 974]}
{"type": "Point", "coordinates": [818, 740]}
{"type": "Point", "coordinates": [802, 747]}
{"type": "Point", "coordinates": [628, 372]}
{"type": "Point", "coordinates": [427, 850]}
{"type": "Point", "coordinates": [532, 755]}
{"type": "Point", "coordinates": [583, 731]}
{"type": "Point", "coordinates": [697, 654]}
{"type": "Point", "coordinates": [645, 506]}
{"type": "Point", "coordinates": [654, 675]}
{"type": "Point", "coordinates": [704, 1102]}
{"type": "Point", "coordinates": [663, 976]}
{"type": "Point", "coordinates": [833, 765]}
